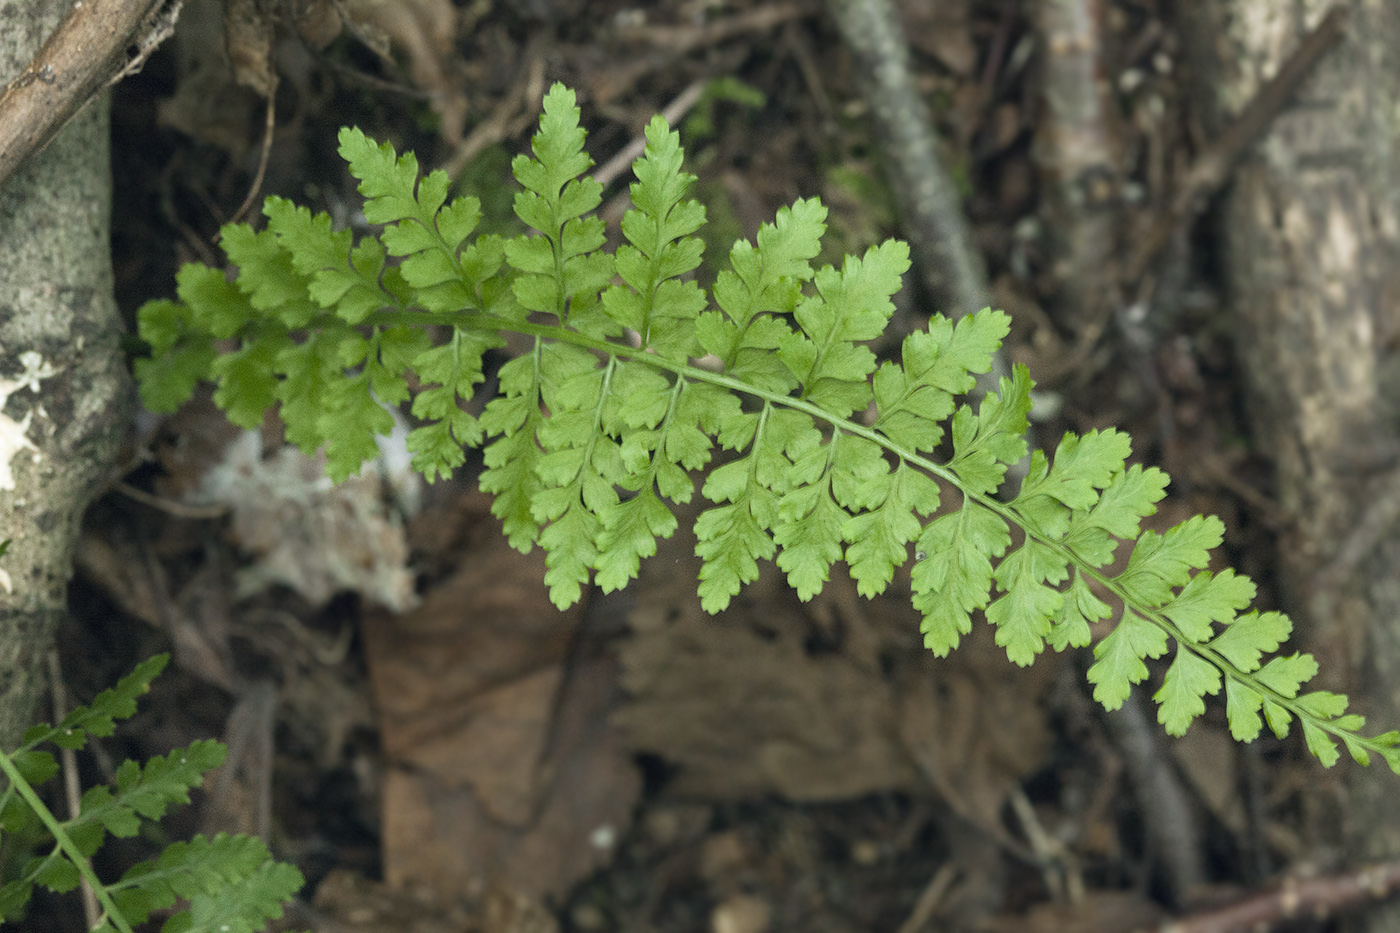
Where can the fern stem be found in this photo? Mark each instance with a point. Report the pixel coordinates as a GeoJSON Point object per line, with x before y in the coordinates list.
{"type": "Point", "coordinates": [65, 842]}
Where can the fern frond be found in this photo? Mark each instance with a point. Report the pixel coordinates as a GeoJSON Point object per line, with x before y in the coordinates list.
{"type": "Point", "coordinates": [635, 374]}
{"type": "Point", "coordinates": [99, 717]}
{"type": "Point", "coordinates": [231, 882]}
{"type": "Point", "coordinates": [142, 791]}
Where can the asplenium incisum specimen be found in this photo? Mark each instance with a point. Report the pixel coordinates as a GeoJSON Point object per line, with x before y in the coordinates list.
{"type": "Point", "coordinates": [634, 373]}
{"type": "Point", "coordinates": [229, 884]}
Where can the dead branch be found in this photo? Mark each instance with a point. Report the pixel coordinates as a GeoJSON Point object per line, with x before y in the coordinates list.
{"type": "Point", "coordinates": [85, 53]}
{"type": "Point", "coordinates": [1173, 835]}
{"type": "Point", "coordinates": [683, 39]}
{"type": "Point", "coordinates": [945, 256]}
{"type": "Point", "coordinates": [1078, 151]}
{"type": "Point", "coordinates": [673, 113]}
{"type": "Point", "coordinates": [1212, 168]}
{"type": "Point", "coordinates": [1296, 898]}
{"type": "Point", "coordinates": [1210, 171]}
{"type": "Point", "coordinates": [512, 113]}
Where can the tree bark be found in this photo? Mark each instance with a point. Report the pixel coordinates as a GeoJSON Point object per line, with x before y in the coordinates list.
{"type": "Point", "coordinates": [1311, 230]}
{"type": "Point", "coordinates": [63, 386]}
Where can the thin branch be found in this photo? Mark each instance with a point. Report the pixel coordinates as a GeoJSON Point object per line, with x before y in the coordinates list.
{"type": "Point", "coordinates": [673, 113]}
{"type": "Point", "coordinates": [512, 112]}
{"type": "Point", "coordinates": [72, 783]}
{"type": "Point", "coordinates": [945, 255]}
{"type": "Point", "coordinates": [1295, 899]}
{"type": "Point", "coordinates": [170, 506]}
{"type": "Point", "coordinates": [683, 39]}
{"type": "Point", "coordinates": [1173, 836]}
{"type": "Point", "coordinates": [1212, 168]}
{"type": "Point", "coordinates": [951, 266]}
{"type": "Point", "coordinates": [84, 54]}
{"type": "Point", "coordinates": [1078, 144]}
{"type": "Point", "coordinates": [159, 27]}
{"type": "Point", "coordinates": [269, 124]}
{"type": "Point", "coordinates": [933, 894]}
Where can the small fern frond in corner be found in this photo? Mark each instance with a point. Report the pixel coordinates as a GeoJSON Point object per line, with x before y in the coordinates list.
{"type": "Point", "coordinates": [634, 375]}
{"type": "Point", "coordinates": [230, 883]}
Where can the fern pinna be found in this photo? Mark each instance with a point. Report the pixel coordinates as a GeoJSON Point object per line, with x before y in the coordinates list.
{"type": "Point", "coordinates": [634, 372]}
{"type": "Point", "coordinates": [228, 884]}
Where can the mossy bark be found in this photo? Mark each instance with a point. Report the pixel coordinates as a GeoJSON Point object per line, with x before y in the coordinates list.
{"type": "Point", "coordinates": [67, 391]}
{"type": "Point", "coordinates": [1311, 229]}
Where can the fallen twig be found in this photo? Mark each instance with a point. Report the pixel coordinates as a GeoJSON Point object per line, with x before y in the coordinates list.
{"type": "Point", "coordinates": [673, 113]}
{"type": "Point", "coordinates": [1295, 898]}
{"type": "Point", "coordinates": [1212, 168]}
{"type": "Point", "coordinates": [683, 39]}
{"type": "Point", "coordinates": [1079, 157]}
{"type": "Point", "coordinates": [1173, 833]}
{"type": "Point", "coordinates": [85, 53]}
{"type": "Point", "coordinates": [515, 109]}
{"type": "Point", "coordinates": [948, 260]}
{"type": "Point", "coordinates": [951, 267]}
{"type": "Point", "coordinates": [1209, 172]}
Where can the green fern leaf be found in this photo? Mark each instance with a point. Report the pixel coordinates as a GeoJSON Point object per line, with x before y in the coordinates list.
{"type": "Point", "coordinates": [1083, 466]}
{"type": "Point", "coordinates": [57, 874]}
{"type": "Point", "coordinates": [1070, 626]}
{"type": "Point", "coordinates": [143, 791]}
{"type": "Point", "coordinates": [954, 574]}
{"type": "Point", "coordinates": [1284, 675]}
{"type": "Point", "coordinates": [851, 305]}
{"type": "Point", "coordinates": [267, 276]}
{"type": "Point", "coordinates": [1320, 744]}
{"type": "Point", "coordinates": [1207, 599]}
{"type": "Point", "coordinates": [243, 906]}
{"type": "Point", "coordinates": [99, 717]}
{"type": "Point", "coordinates": [341, 278]}
{"type": "Point", "coordinates": [986, 443]}
{"type": "Point", "coordinates": [1242, 706]}
{"type": "Point", "coordinates": [563, 272]}
{"type": "Point", "coordinates": [455, 367]}
{"type": "Point", "coordinates": [1129, 498]}
{"type": "Point", "coordinates": [1161, 563]}
{"type": "Point", "coordinates": [1246, 639]}
{"type": "Point", "coordinates": [652, 301]}
{"type": "Point", "coordinates": [635, 373]}
{"type": "Point", "coordinates": [1028, 577]}
{"type": "Point", "coordinates": [511, 460]}
{"type": "Point", "coordinates": [765, 280]}
{"type": "Point", "coordinates": [916, 398]}
{"type": "Point", "coordinates": [878, 539]}
{"type": "Point", "coordinates": [809, 531]}
{"type": "Point", "coordinates": [247, 381]}
{"type": "Point", "coordinates": [1188, 680]}
{"type": "Point", "coordinates": [230, 882]}
{"type": "Point", "coordinates": [734, 537]}
{"type": "Point", "coordinates": [1120, 658]}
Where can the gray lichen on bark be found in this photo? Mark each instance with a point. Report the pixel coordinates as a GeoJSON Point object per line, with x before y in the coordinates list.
{"type": "Point", "coordinates": [1312, 236]}
{"type": "Point", "coordinates": [58, 324]}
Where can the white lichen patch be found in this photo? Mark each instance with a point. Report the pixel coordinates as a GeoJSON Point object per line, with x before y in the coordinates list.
{"type": "Point", "coordinates": [14, 435]}
{"type": "Point", "coordinates": [307, 533]}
